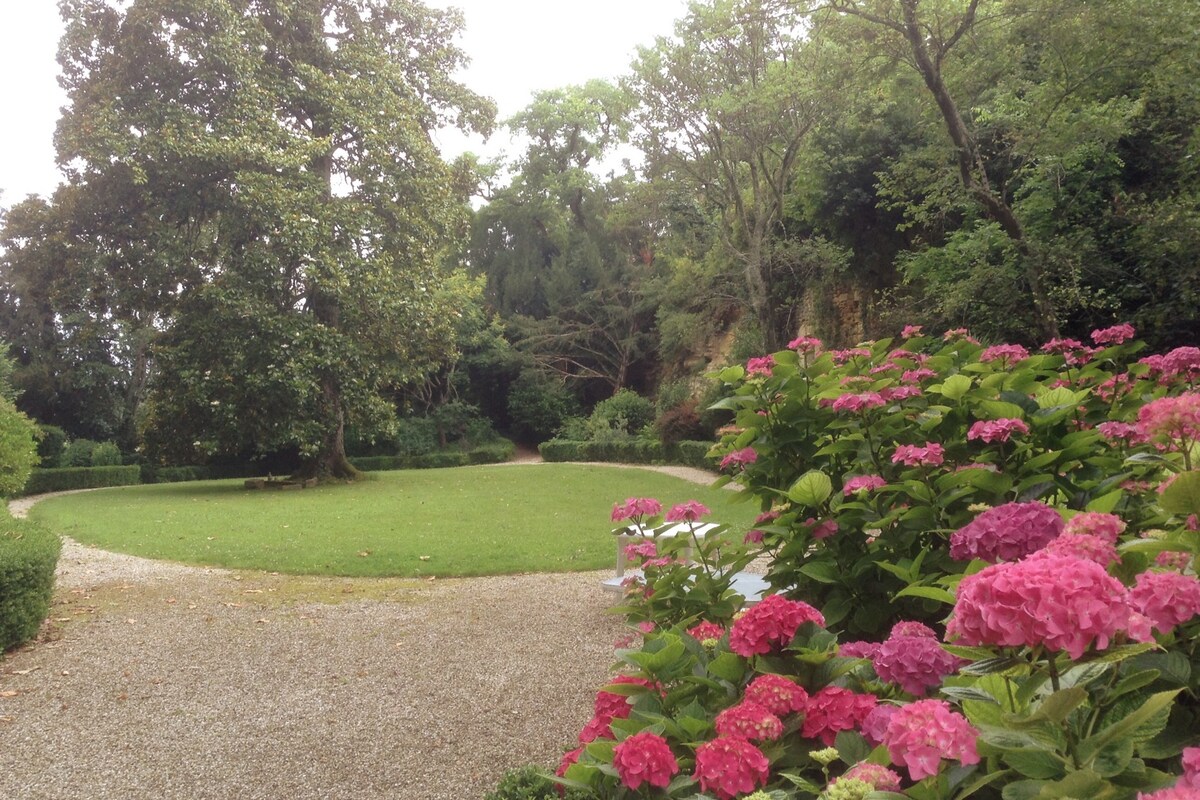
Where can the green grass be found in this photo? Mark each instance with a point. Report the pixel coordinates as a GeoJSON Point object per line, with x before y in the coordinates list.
{"type": "Point", "coordinates": [466, 521]}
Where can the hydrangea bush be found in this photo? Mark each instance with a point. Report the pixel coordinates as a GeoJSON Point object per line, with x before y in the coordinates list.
{"type": "Point", "coordinates": [983, 564]}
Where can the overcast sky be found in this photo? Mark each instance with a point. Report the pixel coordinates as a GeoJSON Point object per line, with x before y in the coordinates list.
{"type": "Point", "coordinates": [517, 47]}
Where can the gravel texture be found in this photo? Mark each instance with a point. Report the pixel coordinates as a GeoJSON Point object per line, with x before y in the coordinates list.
{"type": "Point", "coordinates": [160, 680]}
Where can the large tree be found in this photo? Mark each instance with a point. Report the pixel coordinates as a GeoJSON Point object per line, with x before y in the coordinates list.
{"type": "Point", "coordinates": [284, 148]}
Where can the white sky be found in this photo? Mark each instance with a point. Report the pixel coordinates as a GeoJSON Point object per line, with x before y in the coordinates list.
{"type": "Point", "coordinates": [517, 47]}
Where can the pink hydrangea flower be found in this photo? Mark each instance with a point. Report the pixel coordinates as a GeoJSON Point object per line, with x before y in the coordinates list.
{"type": "Point", "coordinates": [636, 508]}
{"type": "Point", "coordinates": [596, 728]}
{"type": "Point", "coordinates": [1004, 353]}
{"type": "Point", "coordinates": [640, 550]}
{"type": "Point", "coordinates": [959, 333]}
{"type": "Point", "coordinates": [996, 430]}
{"type": "Point", "coordinates": [730, 766]}
{"type": "Point", "coordinates": [1121, 432]}
{"type": "Point", "coordinates": [879, 776]}
{"type": "Point", "coordinates": [1006, 533]}
{"type": "Point", "coordinates": [779, 695]}
{"type": "Point", "coordinates": [874, 725]}
{"type": "Point", "coordinates": [895, 393]}
{"type": "Point", "coordinates": [766, 517]}
{"type": "Point", "coordinates": [740, 458]}
{"type": "Point", "coordinates": [911, 455]}
{"type": "Point", "coordinates": [706, 631]}
{"type": "Point", "coordinates": [1081, 545]}
{"type": "Point", "coordinates": [914, 663]}
{"type": "Point", "coordinates": [806, 345]}
{"type": "Point", "coordinates": [610, 705]}
{"type": "Point", "coordinates": [1171, 423]}
{"type": "Point", "coordinates": [835, 709]}
{"type": "Point", "coordinates": [753, 536]}
{"type": "Point", "coordinates": [1117, 334]}
{"type": "Point", "coordinates": [1061, 346]}
{"type": "Point", "coordinates": [1181, 363]}
{"type": "Point", "coordinates": [921, 735]}
{"type": "Point", "coordinates": [1167, 598]}
{"type": "Point", "coordinates": [645, 757]}
{"type": "Point", "coordinates": [1191, 768]}
{"type": "Point", "coordinates": [1106, 526]}
{"type": "Point", "coordinates": [868, 483]}
{"type": "Point", "coordinates": [770, 625]}
{"type": "Point", "coordinates": [1179, 791]}
{"type": "Point", "coordinates": [750, 721]}
{"type": "Point", "coordinates": [1060, 602]}
{"type": "Point", "coordinates": [569, 758]}
{"type": "Point", "coordinates": [1173, 559]}
{"type": "Point", "coordinates": [690, 511]}
{"type": "Point", "coordinates": [763, 365]}
{"type": "Point", "coordinates": [858, 649]}
{"type": "Point", "coordinates": [911, 628]}
{"type": "Point", "coordinates": [855, 403]}
{"type": "Point", "coordinates": [840, 357]}
{"type": "Point", "coordinates": [821, 530]}
{"type": "Point", "coordinates": [909, 331]}
{"type": "Point", "coordinates": [917, 375]}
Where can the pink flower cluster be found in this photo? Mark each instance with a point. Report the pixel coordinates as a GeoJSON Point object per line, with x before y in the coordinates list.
{"type": "Point", "coordinates": [874, 727]}
{"type": "Point", "coordinates": [1073, 351]}
{"type": "Point", "coordinates": [740, 458]}
{"type": "Point", "coordinates": [854, 403]}
{"type": "Point", "coordinates": [959, 333]}
{"type": "Point", "coordinates": [636, 508]}
{"type": "Point", "coordinates": [1121, 432]}
{"type": "Point", "coordinates": [1004, 353]}
{"type": "Point", "coordinates": [779, 695]}
{"type": "Point", "coordinates": [996, 430]}
{"type": "Point", "coordinates": [921, 734]}
{"type": "Point", "coordinates": [1117, 334]}
{"type": "Point", "coordinates": [770, 625]}
{"type": "Point", "coordinates": [821, 530]}
{"type": "Point", "coordinates": [909, 331]}
{"type": "Point", "coordinates": [750, 721]}
{"type": "Point", "coordinates": [911, 455]}
{"type": "Point", "coordinates": [917, 375]}
{"type": "Point", "coordinates": [609, 706]}
{"type": "Point", "coordinates": [806, 345]}
{"type": "Point", "coordinates": [1166, 598]}
{"type": "Point", "coordinates": [858, 649]}
{"type": "Point", "coordinates": [706, 631]}
{"type": "Point", "coordinates": [640, 550]}
{"type": "Point", "coordinates": [1006, 533]}
{"type": "Point", "coordinates": [1106, 526]}
{"type": "Point", "coordinates": [763, 365]}
{"type": "Point", "coordinates": [877, 775]}
{"type": "Point", "coordinates": [690, 511]}
{"type": "Point", "coordinates": [861, 483]}
{"type": "Point", "coordinates": [1171, 423]}
{"type": "Point", "coordinates": [913, 659]}
{"type": "Point", "coordinates": [840, 357]}
{"type": "Point", "coordinates": [1180, 363]}
{"type": "Point", "coordinates": [730, 766]}
{"type": "Point", "coordinates": [835, 709]}
{"type": "Point", "coordinates": [1056, 601]}
{"type": "Point", "coordinates": [1081, 545]}
{"type": "Point", "coordinates": [893, 394]}
{"type": "Point", "coordinates": [645, 757]}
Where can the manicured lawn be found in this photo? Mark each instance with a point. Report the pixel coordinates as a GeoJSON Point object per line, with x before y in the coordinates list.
{"type": "Point", "coordinates": [444, 522]}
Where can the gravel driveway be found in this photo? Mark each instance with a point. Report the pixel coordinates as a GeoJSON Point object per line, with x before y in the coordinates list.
{"type": "Point", "coordinates": [158, 680]}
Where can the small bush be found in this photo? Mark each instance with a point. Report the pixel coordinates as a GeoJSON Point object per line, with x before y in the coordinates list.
{"type": "Point", "coordinates": [50, 447]}
{"type": "Point", "coordinates": [67, 478]}
{"type": "Point", "coordinates": [494, 453]}
{"type": "Point", "coordinates": [442, 459]}
{"type": "Point", "coordinates": [625, 411]}
{"type": "Point", "coordinates": [78, 453]}
{"type": "Point", "coordinates": [18, 448]}
{"type": "Point", "coordinates": [680, 423]}
{"type": "Point", "coordinates": [106, 454]}
{"type": "Point", "coordinates": [528, 783]}
{"type": "Point", "coordinates": [28, 557]}
{"type": "Point", "coordinates": [538, 406]}
{"type": "Point", "coordinates": [415, 436]}
{"type": "Point", "coordinates": [154, 474]}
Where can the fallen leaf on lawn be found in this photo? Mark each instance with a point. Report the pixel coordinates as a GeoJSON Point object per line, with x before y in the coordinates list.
{"type": "Point", "coordinates": [62, 619]}
{"type": "Point", "coordinates": [423, 558]}
{"type": "Point", "coordinates": [252, 591]}
{"type": "Point", "coordinates": [364, 553]}
{"type": "Point", "coordinates": [191, 606]}
{"type": "Point", "coordinates": [9, 693]}
{"type": "Point", "coordinates": [132, 621]}
{"type": "Point", "coordinates": [6, 720]}
{"type": "Point", "coordinates": [234, 605]}
{"type": "Point", "coordinates": [171, 601]}
{"type": "Point", "coordinates": [262, 621]}
{"type": "Point", "coordinates": [65, 673]}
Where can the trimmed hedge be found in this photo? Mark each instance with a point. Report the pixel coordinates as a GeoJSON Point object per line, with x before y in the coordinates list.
{"type": "Point", "coordinates": [495, 453]}
{"type": "Point", "coordinates": [151, 473]}
{"type": "Point", "coordinates": [67, 478]}
{"type": "Point", "coordinates": [28, 556]}
{"type": "Point", "coordinates": [633, 451]}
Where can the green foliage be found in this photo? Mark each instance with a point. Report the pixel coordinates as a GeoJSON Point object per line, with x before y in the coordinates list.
{"type": "Point", "coordinates": [538, 406]}
{"type": "Point", "coordinates": [529, 783]}
{"type": "Point", "coordinates": [625, 412]}
{"type": "Point", "coordinates": [618, 451]}
{"type": "Point", "coordinates": [150, 473]}
{"type": "Point", "coordinates": [106, 454]}
{"type": "Point", "coordinates": [50, 445]}
{"type": "Point", "coordinates": [680, 423]}
{"type": "Point", "coordinates": [693, 454]}
{"type": "Point", "coordinates": [18, 448]}
{"type": "Point", "coordinates": [28, 557]}
{"type": "Point", "coordinates": [65, 479]}
{"type": "Point", "coordinates": [78, 453]}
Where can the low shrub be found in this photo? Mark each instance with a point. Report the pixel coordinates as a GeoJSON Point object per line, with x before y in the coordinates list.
{"type": "Point", "coordinates": [680, 423]}
{"type": "Point", "coordinates": [155, 474]}
{"type": "Point", "coordinates": [106, 454]}
{"type": "Point", "coordinates": [18, 448]}
{"type": "Point", "coordinates": [442, 459]}
{"type": "Point", "coordinates": [78, 453]}
{"type": "Point", "coordinates": [562, 450]}
{"type": "Point", "coordinates": [494, 453]}
{"type": "Point", "coordinates": [538, 406]}
{"type": "Point", "coordinates": [50, 446]}
{"type": "Point", "coordinates": [65, 479]}
{"type": "Point", "coordinates": [692, 454]}
{"type": "Point", "coordinates": [626, 411]}
{"type": "Point", "coordinates": [415, 436]}
{"type": "Point", "coordinates": [381, 463]}
{"type": "Point", "coordinates": [28, 557]}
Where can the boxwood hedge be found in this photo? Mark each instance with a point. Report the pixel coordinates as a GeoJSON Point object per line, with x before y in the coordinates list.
{"type": "Point", "coordinates": [28, 556]}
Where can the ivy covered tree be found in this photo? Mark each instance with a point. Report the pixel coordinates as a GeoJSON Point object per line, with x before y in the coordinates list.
{"type": "Point", "coordinates": [283, 148]}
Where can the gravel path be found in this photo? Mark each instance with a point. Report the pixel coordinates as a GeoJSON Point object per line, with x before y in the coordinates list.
{"type": "Point", "coordinates": [160, 680]}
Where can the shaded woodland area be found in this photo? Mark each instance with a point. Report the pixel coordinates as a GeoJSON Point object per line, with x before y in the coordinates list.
{"type": "Point", "coordinates": [259, 251]}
